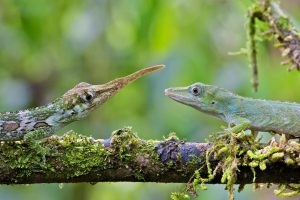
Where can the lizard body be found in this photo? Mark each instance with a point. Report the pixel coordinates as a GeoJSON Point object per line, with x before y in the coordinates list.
{"type": "Point", "coordinates": [242, 112]}
{"type": "Point", "coordinates": [75, 104]}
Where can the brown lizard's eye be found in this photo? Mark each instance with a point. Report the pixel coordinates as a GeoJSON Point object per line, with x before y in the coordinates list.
{"type": "Point", "coordinates": [87, 97]}
{"type": "Point", "coordinates": [195, 91]}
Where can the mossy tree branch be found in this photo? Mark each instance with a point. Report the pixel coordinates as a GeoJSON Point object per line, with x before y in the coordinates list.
{"type": "Point", "coordinates": [125, 157]}
{"type": "Point", "coordinates": [276, 26]}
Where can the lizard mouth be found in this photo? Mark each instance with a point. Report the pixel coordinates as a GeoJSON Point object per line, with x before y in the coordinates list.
{"type": "Point", "coordinates": [177, 96]}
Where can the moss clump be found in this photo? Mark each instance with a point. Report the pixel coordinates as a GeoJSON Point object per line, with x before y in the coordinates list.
{"type": "Point", "coordinates": [123, 141]}
{"type": "Point", "coordinates": [287, 190]}
{"type": "Point", "coordinates": [20, 155]}
{"type": "Point", "coordinates": [242, 150]}
{"type": "Point", "coordinates": [134, 152]}
{"type": "Point", "coordinates": [81, 154]}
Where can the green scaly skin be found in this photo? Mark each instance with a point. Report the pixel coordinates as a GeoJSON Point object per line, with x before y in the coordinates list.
{"type": "Point", "coordinates": [75, 104]}
{"type": "Point", "coordinates": [242, 112]}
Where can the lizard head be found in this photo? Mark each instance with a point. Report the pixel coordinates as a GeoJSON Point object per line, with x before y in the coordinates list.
{"type": "Point", "coordinates": [205, 98]}
{"type": "Point", "coordinates": [85, 97]}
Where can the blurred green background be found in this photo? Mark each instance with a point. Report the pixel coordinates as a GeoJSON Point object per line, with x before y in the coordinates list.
{"type": "Point", "coordinates": [46, 47]}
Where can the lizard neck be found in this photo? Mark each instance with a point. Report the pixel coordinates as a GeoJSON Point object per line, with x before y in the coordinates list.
{"type": "Point", "coordinates": [53, 115]}
{"type": "Point", "coordinates": [229, 106]}
{"type": "Point", "coordinates": [59, 114]}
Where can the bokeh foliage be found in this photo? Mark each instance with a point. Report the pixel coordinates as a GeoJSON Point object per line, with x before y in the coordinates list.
{"type": "Point", "coordinates": [46, 47]}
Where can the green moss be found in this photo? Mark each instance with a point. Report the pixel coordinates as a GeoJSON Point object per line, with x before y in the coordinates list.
{"type": "Point", "coordinates": [179, 195]}
{"type": "Point", "coordinates": [261, 155]}
{"type": "Point", "coordinates": [263, 165]}
{"type": "Point", "coordinates": [284, 23]}
{"type": "Point", "coordinates": [84, 154]}
{"type": "Point", "coordinates": [235, 150]}
{"type": "Point", "coordinates": [277, 156]}
{"type": "Point", "coordinates": [252, 164]}
{"type": "Point", "coordinates": [287, 190]}
{"type": "Point", "coordinates": [132, 151]}
{"type": "Point", "coordinates": [290, 161]}
{"type": "Point", "coordinates": [81, 155]}
{"type": "Point", "coordinates": [18, 155]}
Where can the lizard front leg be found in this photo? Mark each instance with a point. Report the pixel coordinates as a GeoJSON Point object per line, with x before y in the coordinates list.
{"type": "Point", "coordinates": [239, 125]}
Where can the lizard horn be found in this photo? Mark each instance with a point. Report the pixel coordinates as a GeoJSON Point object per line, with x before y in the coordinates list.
{"type": "Point", "coordinates": [123, 81]}
{"type": "Point", "coordinates": [119, 83]}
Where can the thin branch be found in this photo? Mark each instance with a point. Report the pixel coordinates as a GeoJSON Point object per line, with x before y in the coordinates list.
{"type": "Point", "coordinates": [253, 50]}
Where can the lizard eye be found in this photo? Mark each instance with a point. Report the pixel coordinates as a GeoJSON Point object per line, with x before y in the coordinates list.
{"type": "Point", "coordinates": [87, 97]}
{"type": "Point", "coordinates": [195, 91]}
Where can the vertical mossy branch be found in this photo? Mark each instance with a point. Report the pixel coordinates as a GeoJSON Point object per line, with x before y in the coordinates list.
{"type": "Point", "coordinates": [276, 26]}
{"type": "Point", "coordinates": [252, 48]}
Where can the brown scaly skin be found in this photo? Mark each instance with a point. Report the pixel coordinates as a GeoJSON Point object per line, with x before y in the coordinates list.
{"type": "Point", "coordinates": [74, 105]}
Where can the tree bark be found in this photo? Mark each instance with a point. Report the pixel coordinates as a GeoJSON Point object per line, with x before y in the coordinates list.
{"type": "Point", "coordinates": [122, 157]}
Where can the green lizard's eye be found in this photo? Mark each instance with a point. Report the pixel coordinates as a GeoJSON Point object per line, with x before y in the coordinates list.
{"type": "Point", "coordinates": [195, 91]}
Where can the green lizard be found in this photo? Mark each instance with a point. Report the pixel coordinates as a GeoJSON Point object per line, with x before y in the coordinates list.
{"type": "Point", "coordinates": [75, 104]}
{"type": "Point", "coordinates": [242, 112]}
